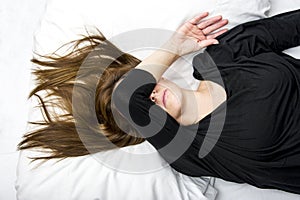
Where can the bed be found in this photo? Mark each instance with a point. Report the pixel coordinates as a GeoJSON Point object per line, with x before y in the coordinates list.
{"type": "Point", "coordinates": [123, 173]}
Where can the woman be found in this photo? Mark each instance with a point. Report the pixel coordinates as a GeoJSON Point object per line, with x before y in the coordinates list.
{"type": "Point", "coordinates": [100, 65]}
{"type": "Point", "coordinates": [258, 140]}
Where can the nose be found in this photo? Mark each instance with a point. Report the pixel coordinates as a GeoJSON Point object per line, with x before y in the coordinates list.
{"type": "Point", "coordinates": [153, 96]}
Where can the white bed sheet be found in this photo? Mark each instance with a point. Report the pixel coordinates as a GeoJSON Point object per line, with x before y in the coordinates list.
{"type": "Point", "coordinates": [18, 21]}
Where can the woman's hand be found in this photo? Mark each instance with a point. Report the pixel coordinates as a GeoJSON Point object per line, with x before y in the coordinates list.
{"type": "Point", "coordinates": [196, 34]}
{"type": "Point", "coordinates": [191, 36]}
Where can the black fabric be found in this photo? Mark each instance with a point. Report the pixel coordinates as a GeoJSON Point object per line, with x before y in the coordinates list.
{"type": "Point", "coordinates": [260, 138]}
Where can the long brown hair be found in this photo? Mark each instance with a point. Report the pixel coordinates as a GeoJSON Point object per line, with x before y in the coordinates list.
{"type": "Point", "coordinates": [86, 75]}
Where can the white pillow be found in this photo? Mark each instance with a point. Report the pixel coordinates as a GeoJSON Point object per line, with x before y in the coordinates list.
{"type": "Point", "coordinates": [280, 7]}
{"type": "Point", "coordinates": [84, 177]}
{"type": "Point", "coordinates": [65, 20]}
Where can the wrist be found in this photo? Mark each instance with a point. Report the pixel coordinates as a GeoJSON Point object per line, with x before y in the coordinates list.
{"type": "Point", "coordinates": [172, 48]}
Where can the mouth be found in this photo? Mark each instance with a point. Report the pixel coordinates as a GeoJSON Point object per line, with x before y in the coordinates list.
{"type": "Point", "coordinates": [164, 97]}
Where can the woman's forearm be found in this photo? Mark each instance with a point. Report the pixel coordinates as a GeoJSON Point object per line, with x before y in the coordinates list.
{"type": "Point", "coordinates": [190, 37]}
{"type": "Point", "coordinates": [159, 61]}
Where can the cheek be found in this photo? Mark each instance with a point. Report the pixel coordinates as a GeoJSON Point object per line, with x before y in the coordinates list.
{"type": "Point", "coordinates": [174, 106]}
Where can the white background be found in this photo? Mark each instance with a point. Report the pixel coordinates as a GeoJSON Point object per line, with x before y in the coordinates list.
{"type": "Point", "coordinates": [18, 20]}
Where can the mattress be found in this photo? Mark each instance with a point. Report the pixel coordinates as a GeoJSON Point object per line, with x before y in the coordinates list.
{"type": "Point", "coordinates": [44, 25]}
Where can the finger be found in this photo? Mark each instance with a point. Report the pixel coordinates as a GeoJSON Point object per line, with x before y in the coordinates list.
{"type": "Point", "coordinates": [216, 34]}
{"type": "Point", "coordinates": [197, 18]}
{"type": "Point", "coordinates": [206, 43]}
{"type": "Point", "coordinates": [209, 22]}
{"type": "Point", "coordinates": [197, 33]}
{"type": "Point", "coordinates": [215, 26]}
{"type": "Point", "coordinates": [191, 30]}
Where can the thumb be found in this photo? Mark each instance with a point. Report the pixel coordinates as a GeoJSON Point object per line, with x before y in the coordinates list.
{"type": "Point", "coordinates": [208, 42]}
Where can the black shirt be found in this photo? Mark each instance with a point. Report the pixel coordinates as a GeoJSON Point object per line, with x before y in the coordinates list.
{"type": "Point", "coordinates": [253, 137]}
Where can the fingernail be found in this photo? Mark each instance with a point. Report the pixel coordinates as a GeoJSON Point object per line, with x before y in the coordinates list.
{"type": "Point", "coordinates": [216, 42]}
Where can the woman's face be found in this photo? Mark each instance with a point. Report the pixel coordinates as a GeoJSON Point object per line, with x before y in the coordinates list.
{"type": "Point", "coordinates": [168, 96]}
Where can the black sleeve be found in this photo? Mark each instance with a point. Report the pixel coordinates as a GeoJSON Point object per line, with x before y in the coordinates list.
{"type": "Point", "coordinates": [131, 100]}
{"type": "Point", "coordinates": [275, 34]}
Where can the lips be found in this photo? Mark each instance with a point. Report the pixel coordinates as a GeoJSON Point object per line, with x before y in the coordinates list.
{"type": "Point", "coordinates": [164, 97]}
